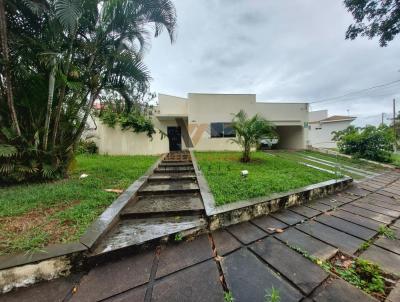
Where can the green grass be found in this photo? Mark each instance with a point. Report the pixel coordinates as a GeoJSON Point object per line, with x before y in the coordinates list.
{"type": "Point", "coordinates": [267, 174]}
{"type": "Point", "coordinates": [396, 159]}
{"type": "Point", "coordinates": [32, 216]}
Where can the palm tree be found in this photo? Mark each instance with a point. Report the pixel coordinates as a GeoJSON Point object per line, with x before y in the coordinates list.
{"type": "Point", "coordinates": [249, 131]}
{"type": "Point", "coordinates": [7, 72]}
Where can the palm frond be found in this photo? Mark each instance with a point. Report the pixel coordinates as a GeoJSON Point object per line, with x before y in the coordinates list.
{"type": "Point", "coordinates": [68, 12]}
{"type": "Point", "coordinates": [8, 151]}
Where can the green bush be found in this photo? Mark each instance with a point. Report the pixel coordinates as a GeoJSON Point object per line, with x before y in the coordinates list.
{"type": "Point", "coordinates": [374, 143]}
{"type": "Point", "coordinates": [87, 147]}
{"type": "Point", "coordinates": [134, 120]}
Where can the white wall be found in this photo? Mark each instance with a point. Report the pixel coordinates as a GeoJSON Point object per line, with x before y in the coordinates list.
{"type": "Point", "coordinates": [114, 141]}
{"type": "Point", "coordinates": [322, 138]}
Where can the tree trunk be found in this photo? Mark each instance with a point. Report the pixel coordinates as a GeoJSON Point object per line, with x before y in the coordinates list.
{"type": "Point", "coordinates": [246, 153]}
{"type": "Point", "coordinates": [52, 80]}
{"type": "Point", "coordinates": [4, 48]}
{"type": "Point", "coordinates": [62, 93]}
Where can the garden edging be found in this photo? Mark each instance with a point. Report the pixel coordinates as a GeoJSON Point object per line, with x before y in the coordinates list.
{"type": "Point", "coordinates": [23, 269]}
{"type": "Point", "coordinates": [225, 215]}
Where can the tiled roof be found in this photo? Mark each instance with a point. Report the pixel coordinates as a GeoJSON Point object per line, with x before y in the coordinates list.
{"type": "Point", "coordinates": [337, 118]}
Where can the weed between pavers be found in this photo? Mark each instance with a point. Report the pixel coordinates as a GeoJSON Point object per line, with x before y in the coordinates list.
{"type": "Point", "coordinates": [272, 295]}
{"type": "Point", "coordinates": [361, 273]}
{"type": "Point", "coordinates": [386, 232]}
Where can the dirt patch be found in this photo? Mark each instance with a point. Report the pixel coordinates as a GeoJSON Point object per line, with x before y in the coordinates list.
{"type": "Point", "coordinates": [13, 227]}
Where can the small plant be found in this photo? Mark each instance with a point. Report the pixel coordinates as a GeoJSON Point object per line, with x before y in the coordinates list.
{"type": "Point", "coordinates": [365, 245]}
{"type": "Point", "coordinates": [386, 232]}
{"type": "Point", "coordinates": [273, 295]}
{"type": "Point", "coordinates": [228, 297]}
{"type": "Point", "coordinates": [364, 275]}
{"type": "Point", "coordinates": [178, 237]}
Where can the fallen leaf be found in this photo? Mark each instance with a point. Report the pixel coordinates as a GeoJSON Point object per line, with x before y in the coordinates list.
{"type": "Point", "coordinates": [271, 229]}
{"type": "Point", "coordinates": [279, 230]}
{"type": "Point", "coordinates": [118, 191]}
{"type": "Point", "coordinates": [218, 258]}
{"type": "Point", "coordinates": [347, 263]}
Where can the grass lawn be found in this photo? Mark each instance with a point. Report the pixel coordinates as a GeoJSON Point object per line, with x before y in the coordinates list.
{"type": "Point", "coordinates": [396, 159]}
{"type": "Point", "coordinates": [267, 174]}
{"type": "Point", "coordinates": [33, 216]}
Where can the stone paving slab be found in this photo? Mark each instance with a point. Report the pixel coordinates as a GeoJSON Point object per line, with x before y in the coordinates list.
{"type": "Point", "coordinates": [388, 261]}
{"type": "Point", "coordinates": [224, 242]}
{"type": "Point", "coordinates": [305, 211]}
{"type": "Point", "coordinates": [394, 295]}
{"type": "Point", "coordinates": [388, 204]}
{"type": "Point", "coordinates": [246, 232]}
{"type": "Point", "coordinates": [182, 255]}
{"type": "Point", "coordinates": [320, 206]}
{"type": "Point", "coordinates": [397, 223]}
{"type": "Point", "coordinates": [392, 245]}
{"type": "Point", "coordinates": [363, 221]}
{"type": "Point", "coordinates": [115, 277]}
{"type": "Point", "coordinates": [313, 246]}
{"type": "Point", "coordinates": [354, 190]}
{"type": "Point", "coordinates": [332, 202]}
{"type": "Point", "coordinates": [137, 294]}
{"type": "Point", "coordinates": [376, 208]}
{"type": "Point", "coordinates": [367, 213]}
{"type": "Point", "coordinates": [298, 269]}
{"type": "Point", "coordinates": [389, 194]}
{"type": "Point", "coordinates": [199, 283]}
{"type": "Point", "coordinates": [347, 227]}
{"type": "Point", "coordinates": [50, 291]}
{"type": "Point", "coordinates": [248, 278]}
{"type": "Point", "coordinates": [337, 290]}
{"type": "Point", "coordinates": [346, 243]}
{"type": "Point", "coordinates": [288, 217]}
{"type": "Point", "coordinates": [269, 224]}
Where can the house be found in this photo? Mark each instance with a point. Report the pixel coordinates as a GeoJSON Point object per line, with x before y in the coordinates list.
{"type": "Point", "coordinates": [203, 122]}
{"type": "Point", "coordinates": [321, 127]}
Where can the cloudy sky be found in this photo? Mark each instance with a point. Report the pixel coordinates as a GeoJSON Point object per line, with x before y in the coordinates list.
{"type": "Point", "coordinates": [281, 50]}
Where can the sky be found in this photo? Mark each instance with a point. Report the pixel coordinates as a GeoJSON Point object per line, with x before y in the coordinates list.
{"type": "Point", "coordinates": [280, 50]}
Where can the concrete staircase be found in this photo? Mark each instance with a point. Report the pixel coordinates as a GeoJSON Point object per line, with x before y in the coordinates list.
{"type": "Point", "coordinates": [167, 204]}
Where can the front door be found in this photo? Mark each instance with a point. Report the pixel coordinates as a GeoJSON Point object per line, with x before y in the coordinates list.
{"type": "Point", "coordinates": [174, 137]}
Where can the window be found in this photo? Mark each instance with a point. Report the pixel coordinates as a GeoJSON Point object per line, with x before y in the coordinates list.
{"type": "Point", "coordinates": [222, 130]}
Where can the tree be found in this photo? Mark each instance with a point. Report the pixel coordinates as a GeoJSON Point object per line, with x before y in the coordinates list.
{"type": "Point", "coordinates": [374, 143]}
{"type": "Point", "coordinates": [374, 18]}
{"type": "Point", "coordinates": [249, 131]}
{"type": "Point", "coordinates": [65, 54]}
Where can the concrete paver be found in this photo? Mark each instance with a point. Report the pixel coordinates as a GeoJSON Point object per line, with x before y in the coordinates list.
{"type": "Point", "coordinates": [301, 271]}
{"type": "Point", "coordinates": [307, 243]}
{"type": "Point", "coordinates": [346, 243]}
{"type": "Point", "coordinates": [249, 279]}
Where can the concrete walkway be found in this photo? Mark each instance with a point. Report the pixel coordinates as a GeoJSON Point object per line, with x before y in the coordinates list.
{"type": "Point", "coordinates": [251, 258]}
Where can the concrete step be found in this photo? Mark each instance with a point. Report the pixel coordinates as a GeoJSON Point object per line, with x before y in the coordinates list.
{"type": "Point", "coordinates": [176, 164]}
{"type": "Point", "coordinates": [171, 187]}
{"type": "Point", "coordinates": [173, 169]}
{"type": "Point", "coordinates": [171, 176]}
{"type": "Point", "coordinates": [164, 205]}
{"type": "Point", "coordinates": [133, 233]}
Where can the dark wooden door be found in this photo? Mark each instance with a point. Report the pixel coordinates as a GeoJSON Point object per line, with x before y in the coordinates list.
{"type": "Point", "coordinates": [174, 137]}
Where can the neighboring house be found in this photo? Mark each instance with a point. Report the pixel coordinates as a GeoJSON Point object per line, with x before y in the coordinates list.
{"type": "Point", "coordinates": [203, 122]}
{"type": "Point", "coordinates": [321, 127]}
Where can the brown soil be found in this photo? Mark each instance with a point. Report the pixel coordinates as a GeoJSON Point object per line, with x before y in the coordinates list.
{"type": "Point", "coordinates": [16, 226]}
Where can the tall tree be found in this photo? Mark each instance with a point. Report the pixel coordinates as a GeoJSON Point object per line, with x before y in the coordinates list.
{"type": "Point", "coordinates": [98, 48]}
{"type": "Point", "coordinates": [7, 72]}
{"type": "Point", "coordinates": [374, 18]}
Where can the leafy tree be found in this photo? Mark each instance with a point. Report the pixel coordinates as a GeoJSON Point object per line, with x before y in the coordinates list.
{"type": "Point", "coordinates": [374, 143]}
{"type": "Point", "coordinates": [59, 58]}
{"type": "Point", "coordinates": [249, 131]}
{"type": "Point", "coordinates": [374, 18]}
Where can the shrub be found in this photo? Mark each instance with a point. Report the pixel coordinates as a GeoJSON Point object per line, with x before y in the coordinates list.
{"type": "Point", "coordinates": [87, 147]}
{"type": "Point", "coordinates": [374, 143]}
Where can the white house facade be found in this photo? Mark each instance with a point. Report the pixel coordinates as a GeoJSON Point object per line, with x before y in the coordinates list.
{"type": "Point", "coordinates": [203, 122]}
